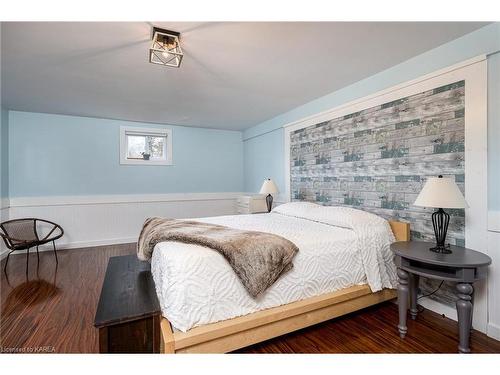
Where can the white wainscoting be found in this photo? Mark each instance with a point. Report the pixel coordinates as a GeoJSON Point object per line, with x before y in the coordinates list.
{"type": "Point", "coordinates": [494, 278]}
{"type": "Point", "coordinates": [113, 219]}
{"type": "Point", "coordinates": [494, 221]}
{"type": "Point", "coordinates": [4, 216]}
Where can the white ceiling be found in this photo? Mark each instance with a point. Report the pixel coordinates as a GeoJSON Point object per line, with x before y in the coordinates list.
{"type": "Point", "coordinates": [233, 76]}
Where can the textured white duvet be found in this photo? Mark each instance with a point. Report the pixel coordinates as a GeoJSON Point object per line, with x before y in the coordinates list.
{"type": "Point", "coordinates": [338, 247]}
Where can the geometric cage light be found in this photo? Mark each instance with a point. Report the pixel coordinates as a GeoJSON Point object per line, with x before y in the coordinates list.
{"type": "Point", "coordinates": [165, 48]}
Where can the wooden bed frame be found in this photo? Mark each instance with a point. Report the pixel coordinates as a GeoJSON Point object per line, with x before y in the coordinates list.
{"type": "Point", "coordinates": [232, 334]}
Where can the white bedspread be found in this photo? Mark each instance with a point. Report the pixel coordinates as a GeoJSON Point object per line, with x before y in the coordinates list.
{"type": "Point", "coordinates": [196, 285]}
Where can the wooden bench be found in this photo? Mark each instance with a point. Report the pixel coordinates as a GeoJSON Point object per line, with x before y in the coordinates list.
{"type": "Point", "coordinates": [128, 314]}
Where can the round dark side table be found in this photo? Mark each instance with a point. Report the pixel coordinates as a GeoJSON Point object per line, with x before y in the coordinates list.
{"type": "Point", "coordinates": [463, 266]}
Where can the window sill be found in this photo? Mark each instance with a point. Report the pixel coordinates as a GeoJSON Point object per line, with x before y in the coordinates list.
{"type": "Point", "coordinates": [145, 162]}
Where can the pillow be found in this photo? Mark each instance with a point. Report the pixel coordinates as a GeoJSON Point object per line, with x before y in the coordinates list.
{"type": "Point", "coordinates": [373, 237]}
{"type": "Point", "coordinates": [296, 209]}
{"type": "Point", "coordinates": [348, 217]}
{"type": "Point", "coordinates": [339, 216]}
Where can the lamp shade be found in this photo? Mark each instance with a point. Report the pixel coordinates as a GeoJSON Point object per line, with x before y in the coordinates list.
{"type": "Point", "coordinates": [268, 187]}
{"type": "Point", "coordinates": [440, 192]}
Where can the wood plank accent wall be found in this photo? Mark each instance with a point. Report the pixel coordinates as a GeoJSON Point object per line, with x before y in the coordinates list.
{"type": "Point", "coordinates": [378, 159]}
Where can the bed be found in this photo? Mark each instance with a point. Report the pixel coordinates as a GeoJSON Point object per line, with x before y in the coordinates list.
{"type": "Point", "coordinates": [344, 264]}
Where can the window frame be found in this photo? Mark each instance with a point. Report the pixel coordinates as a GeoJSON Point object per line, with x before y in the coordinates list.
{"type": "Point", "coordinates": [166, 132]}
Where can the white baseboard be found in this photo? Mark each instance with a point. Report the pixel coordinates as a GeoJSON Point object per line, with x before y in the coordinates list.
{"type": "Point", "coordinates": [494, 331]}
{"type": "Point", "coordinates": [494, 284]}
{"type": "Point", "coordinates": [450, 312]}
{"type": "Point", "coordinates": [75, 245]}
{"type": "Point", "coordinates": [439, 308]}
{"type": "Point", "coordinates": [494, 221]}
{"type": "Point", "coordinates": [4, 203]}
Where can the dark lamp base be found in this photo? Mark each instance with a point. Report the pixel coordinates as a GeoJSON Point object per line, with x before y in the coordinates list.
{"type": "Point", "coordinates": [441, 249]}
{"type": "Point", "coordinates": [440, 221]}
{"type": "Point", "coordinates": [269, 202]}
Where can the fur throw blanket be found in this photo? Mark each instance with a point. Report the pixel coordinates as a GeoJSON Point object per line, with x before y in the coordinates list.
{"type": "Point", "coordinates": [257, 258]}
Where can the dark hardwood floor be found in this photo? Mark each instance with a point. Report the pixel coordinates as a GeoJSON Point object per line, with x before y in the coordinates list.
{"type": "Point", "coordinates": [54, 306]}
{"type": "Point", "coordinates": [53, 310]}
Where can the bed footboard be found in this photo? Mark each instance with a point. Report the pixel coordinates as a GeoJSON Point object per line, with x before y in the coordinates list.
{"type": "Point", "coordinates": [232, 334]}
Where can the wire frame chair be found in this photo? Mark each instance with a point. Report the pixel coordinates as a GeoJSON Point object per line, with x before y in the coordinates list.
{"type": "Point", "coordinates": [23, 234]}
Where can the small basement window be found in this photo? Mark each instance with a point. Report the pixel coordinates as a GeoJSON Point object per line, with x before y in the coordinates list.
{"type": "Point", "coordinates": [145, 146]}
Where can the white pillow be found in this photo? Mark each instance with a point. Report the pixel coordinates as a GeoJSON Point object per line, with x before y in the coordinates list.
{"type": "Point", "coordinates": [347, 217]}
{"type": "Point", "coordinates": [373, 237]}
{"type": "Point", "coordinates": [339, 216]}
{"type": "Point", "coordinates": [296, 209]}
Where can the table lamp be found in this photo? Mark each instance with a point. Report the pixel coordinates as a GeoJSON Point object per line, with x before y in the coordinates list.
{"type": "Point", "coordinates": [269, 187]}
{"type": "Point", "coordinates": [439, 192]}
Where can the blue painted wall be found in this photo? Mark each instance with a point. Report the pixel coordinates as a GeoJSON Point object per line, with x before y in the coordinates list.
{"type": "Point", "coordinates": [51, 155]}
{"type": "Point", "coordinates": [483, 41]}
{"type": "Point", "coordinates": [260, 161]}
{"type": "Point", "coordinates": [45, 159]}
{"type": "Point", "coordinates": [4, 154]}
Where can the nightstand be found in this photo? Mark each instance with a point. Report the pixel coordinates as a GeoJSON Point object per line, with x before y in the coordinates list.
{"type": "Point", "coordinates": [463, 266]}
{"type": "Point", "coordinates": [251, 204]}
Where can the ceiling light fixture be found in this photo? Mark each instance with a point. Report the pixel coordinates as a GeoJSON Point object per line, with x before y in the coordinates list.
{"type": "Point", "coordinates": [165, 48]}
